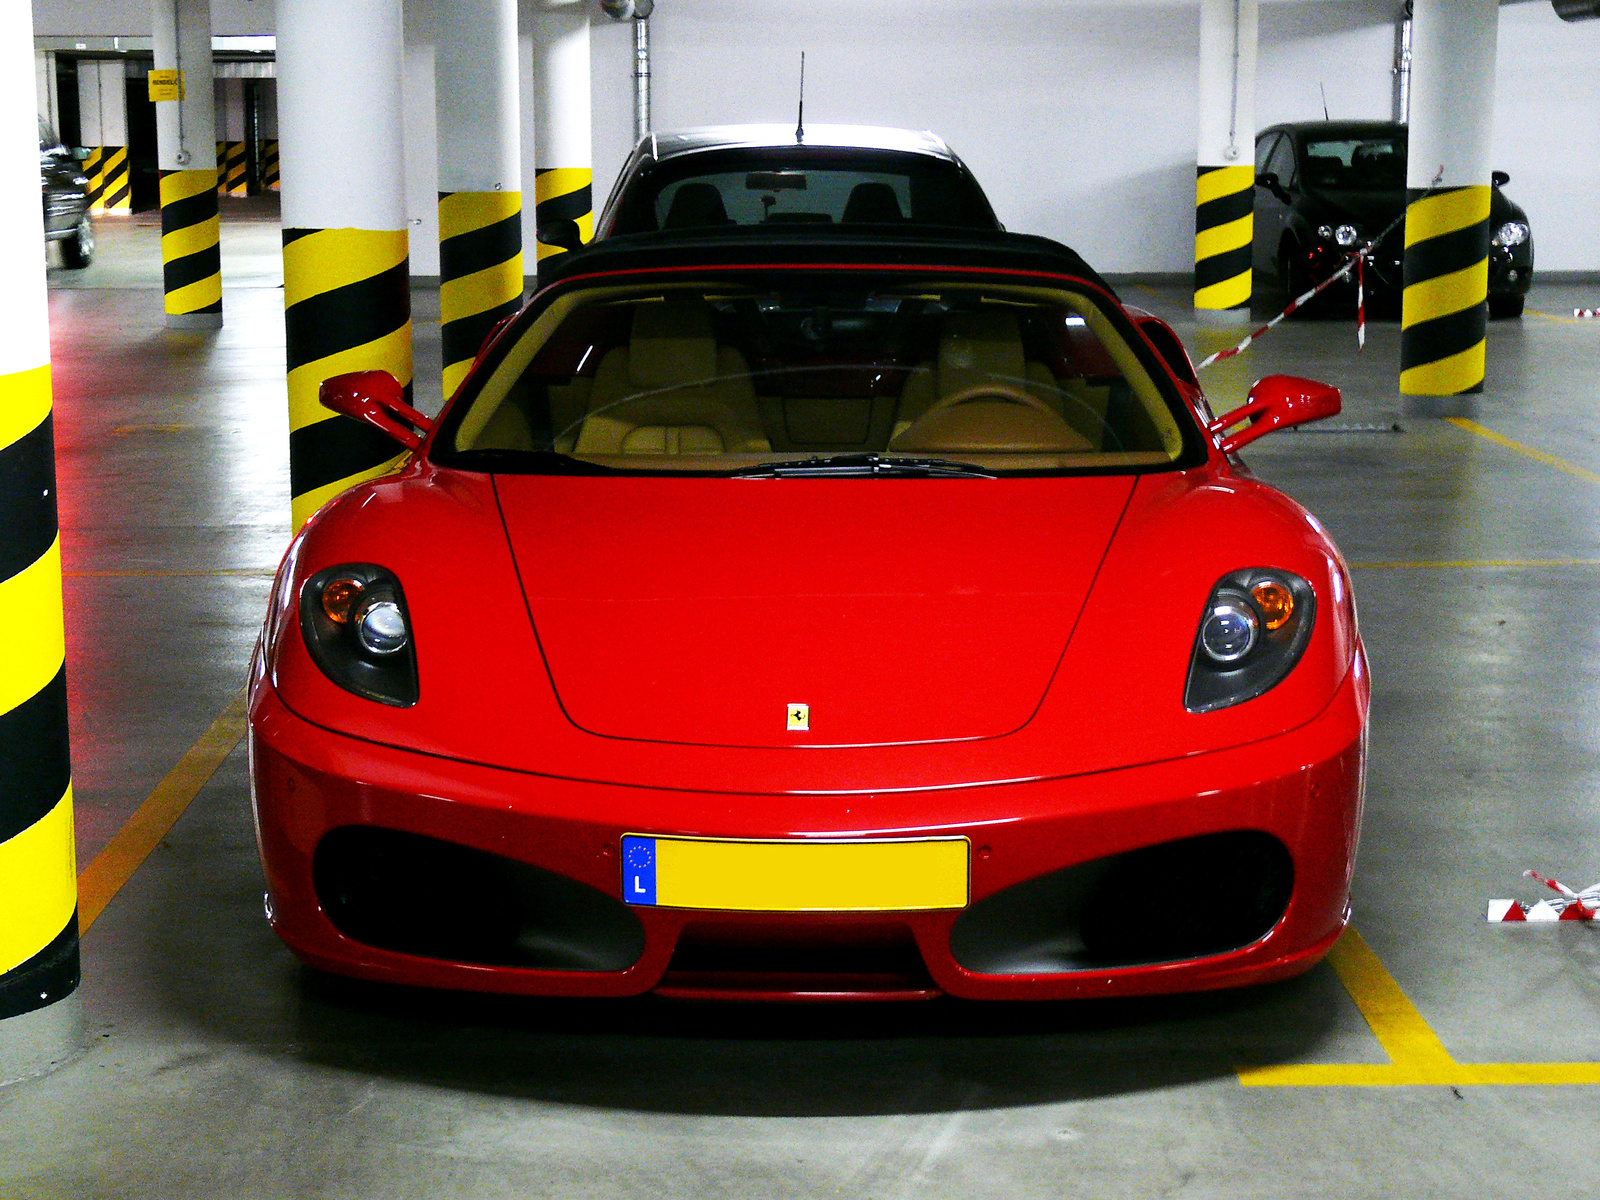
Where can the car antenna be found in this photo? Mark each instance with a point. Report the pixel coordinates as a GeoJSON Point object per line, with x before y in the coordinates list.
{"type": "Point", "coordinates": [1325, 115]}
{"type": "Point", "coordinates": [800, 120]}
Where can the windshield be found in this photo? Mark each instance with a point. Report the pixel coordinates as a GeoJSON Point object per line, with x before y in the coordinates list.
{"type": "Point", "coordinates": [824, 379]}
{"type": "Point", "coordinates": [1372, 164]}
{"type": "Point", "coordinates": [801, 185]}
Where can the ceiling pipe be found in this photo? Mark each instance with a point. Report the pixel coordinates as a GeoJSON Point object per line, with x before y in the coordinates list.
{"type": "Point", "coordinates": [637, 11]}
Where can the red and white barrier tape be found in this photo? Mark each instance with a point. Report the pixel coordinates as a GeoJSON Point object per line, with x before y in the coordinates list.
{"type": "Point", "coordinates": [1583, 313]}
{"type": "Point", "coordinates": [1356, 262]}
{"type": "Point", "coordinates": [1573, 906]}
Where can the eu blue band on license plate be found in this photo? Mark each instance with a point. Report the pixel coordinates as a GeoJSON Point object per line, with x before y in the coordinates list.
{"type": "Point", "coordinates": [796, 875]}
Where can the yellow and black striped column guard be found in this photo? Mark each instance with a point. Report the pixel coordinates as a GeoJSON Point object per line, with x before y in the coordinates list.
{"type": "Point", "coordinates": [346, 307]}
{"type": "Point", "coordinates": [563, 209]}
{"type": "Point", "coordinates": [232, 169]}
{"type": "Point", "coordinates": [191, 260]}
{"type": "Point", "coordinates": [38, 875]}
{"type": "Point", "coordinates": [480, 272]}
{"type": "Point", "coordinates": [1224, 203]}
{"type": "Point", "coordinates": [114, 189]}
{"type": "Point", "coordinates": [1444, 309]}
{"type": "Point", "coordinates": [269, 165]}
{"type": "Point", "coordinates": [94, 171]}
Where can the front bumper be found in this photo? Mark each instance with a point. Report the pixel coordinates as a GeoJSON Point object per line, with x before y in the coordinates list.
{"type": "Point", "coordinates": [1304, 788]}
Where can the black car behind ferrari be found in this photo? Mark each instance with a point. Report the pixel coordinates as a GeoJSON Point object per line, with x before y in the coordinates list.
{"type": "Point", "coordinates": [1325, 187]}
{"type": "Point", "coordinates": [65, 191]}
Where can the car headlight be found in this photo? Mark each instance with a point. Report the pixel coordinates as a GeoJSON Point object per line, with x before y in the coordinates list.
{"type": "Point", "coordinates": [1344, 235]}
{"type": "Point", "coordinates": [1512, 233]}
{"type": "Point", "coordinates": [1254, 629]}
{"type": "Point", "coordinates": [354, 621]}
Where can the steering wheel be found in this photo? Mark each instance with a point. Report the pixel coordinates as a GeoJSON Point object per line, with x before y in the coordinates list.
{"type": "Point", "coordinates": [997, 389]}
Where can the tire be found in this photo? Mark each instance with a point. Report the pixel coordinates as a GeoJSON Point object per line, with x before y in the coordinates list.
{"type": "Point", "coordinates": [1505, 307]}
{"type": "Point", "coordinates": [77, 251]}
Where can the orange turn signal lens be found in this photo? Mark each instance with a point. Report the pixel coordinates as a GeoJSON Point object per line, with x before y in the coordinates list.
{"type": "Point", "coordinates": [340, 597]}
{"type": "Point", "coordinates": [1274, 601]}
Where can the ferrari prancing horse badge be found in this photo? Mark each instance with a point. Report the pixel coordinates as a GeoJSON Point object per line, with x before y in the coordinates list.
{"type": "Point", "coordinates": [799, 716]}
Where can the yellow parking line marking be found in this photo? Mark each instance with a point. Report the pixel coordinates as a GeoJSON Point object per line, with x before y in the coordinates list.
{"type": "Point", "coordinates": [1474, 564]}
{"type": "Point", "coordinates": [260, 572]}
{"type": "Point", "coordinates": [1549, 460]}
{"type": "Point", "coordinates": [1416, 1055]}
{"type": "Point", "coordinates": [114, 866]}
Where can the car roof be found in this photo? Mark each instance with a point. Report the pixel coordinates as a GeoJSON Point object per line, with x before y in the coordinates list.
{"type": "Point", "coordinates": [799, 247]}
{"type": "Point", "coordinates": [1338, 128]}
{"type": "Point", "coordinates": [671, 143]}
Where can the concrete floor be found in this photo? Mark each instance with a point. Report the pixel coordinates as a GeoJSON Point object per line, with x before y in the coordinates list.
{"type": "Point", "coordinates": [219, 1068]}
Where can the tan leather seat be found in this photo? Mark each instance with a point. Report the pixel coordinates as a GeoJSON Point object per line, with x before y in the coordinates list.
{"type": "Point", "coordinates": [672, 390]}
{"type": "Point", "coordinates": [974, 348]}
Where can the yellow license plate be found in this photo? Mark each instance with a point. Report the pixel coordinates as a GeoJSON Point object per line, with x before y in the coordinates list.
{"type": "Point", "coordinates": [856, 875]}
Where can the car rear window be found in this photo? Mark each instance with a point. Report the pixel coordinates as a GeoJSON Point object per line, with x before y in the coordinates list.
{"type": "Point", "coordinates": [1356, 164]}
{"type": "Point", "coordinates": [725, 380]}
{"type": "Point", "coordinates": [801, 185]}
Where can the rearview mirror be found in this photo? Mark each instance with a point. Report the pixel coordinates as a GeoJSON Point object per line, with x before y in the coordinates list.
{"type": "Point", "coordinates": [1499, 178]}
{"type": "Point", "coordinates": [1270, 181]}
{"type": "Point", "coordinates": [376, 398]}
{"type": "Point", "coordinates": [1275, 402]}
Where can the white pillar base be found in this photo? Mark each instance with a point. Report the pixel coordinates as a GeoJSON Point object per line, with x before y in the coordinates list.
{"type": "Point", "coordinates": [39, 1042]}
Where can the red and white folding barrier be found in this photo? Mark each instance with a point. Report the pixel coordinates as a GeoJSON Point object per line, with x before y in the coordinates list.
{"type": "Point", "coordinates": [1572, 906]}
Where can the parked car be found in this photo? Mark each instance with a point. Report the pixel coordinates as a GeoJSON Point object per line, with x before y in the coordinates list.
{"type": "Point", "coordinates": [1325, 187]}
{"type": "Point", "coordinates": [744, 176]}
{"type": "Point", "coordinates": [818, 613]}
{"type": "Point", "coordinates": [65, 191]}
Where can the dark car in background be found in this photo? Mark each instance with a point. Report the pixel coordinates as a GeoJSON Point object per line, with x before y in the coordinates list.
{"type": "Point", "coordinates": [769, 176]}
{"type": "Point", "coordinates": [1324, 187]}
{"type": "Point", "coordinates": [65, 191]}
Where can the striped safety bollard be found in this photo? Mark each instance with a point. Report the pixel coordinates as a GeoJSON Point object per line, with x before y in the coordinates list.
{"type": "Point", "coordinates": [1444, 312]}
{"type": "Point", "coordinates": [480, 272]}
{"type": "Point", "coordinates": [191, 257]}
{"type": "Point", "coordinates": [1223, 223]}
{"type": "Point", "coordinates": [38, 890]}
{"type": "Point", "coordinates": [233, 180]}
{"type": "Point", "coordinates": [115, 186]}
{"type": "Point", "coordinates": [347, 307]}
{"type": "Point", "coordinates": [563, 208]}
{"type": "Point", "coordinates": [269, 165]}
{"type": "Point", "coordinates": [94, 171]}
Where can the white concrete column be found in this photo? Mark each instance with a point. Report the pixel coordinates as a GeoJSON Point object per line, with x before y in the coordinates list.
{"type": "Point", "coordinates": [1225, 178]}
{"type": "Point", "coordinates": [564, 177]}
{"type": "Point", "coordinates": [186, 153]}
{"type": "Point", "coordinates": [40, 1019]}
{"type": "Point", "coordinates": [347, 299]}
{"type": "Point", "coordinates": [1444, 310]}
{"type": "Point", "coordinates": [480, 176]}
{"type": "Point", "coordinates": [44, 82]}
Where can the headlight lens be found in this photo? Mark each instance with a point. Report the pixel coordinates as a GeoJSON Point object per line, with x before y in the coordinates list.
{"type": "Point", "coordinates": [1253, 631]}
{"type": "Point", "coordinates": [1512, 233]}
{"type": "Point", "coordinates": [354, 621]}
{"type": "Point", "coordinates": [1228, 632]}
{"type": "Point", "coordinates": [1347, 235]}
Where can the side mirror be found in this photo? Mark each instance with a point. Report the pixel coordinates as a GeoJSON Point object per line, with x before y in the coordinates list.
{"type": "Point", "coordinates": [1270, 181]}
{"type": "Point", "coordinates": [81, 153]}
{"type": "Point", "coordinates": [1499, 178]}
{"type": "Point", "coordinates": [376, 398]}
{"type": "Point", "coordinates": [1275, 402]}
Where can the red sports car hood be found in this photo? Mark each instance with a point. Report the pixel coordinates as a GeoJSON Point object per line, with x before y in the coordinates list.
{"type": "Point", "coordinates": [704, 611]}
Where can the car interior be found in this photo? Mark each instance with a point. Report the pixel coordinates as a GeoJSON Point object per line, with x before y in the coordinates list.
{"type": "Point", "coordinates": [683, 381]}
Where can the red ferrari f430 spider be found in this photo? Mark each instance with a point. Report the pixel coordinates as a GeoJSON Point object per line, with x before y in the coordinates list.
{"type": "Point", "coordinates": [812, 613]}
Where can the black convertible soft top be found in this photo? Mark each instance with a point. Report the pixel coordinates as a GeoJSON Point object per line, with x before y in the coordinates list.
{"type": "Point", "coordinates": [1003, 252]}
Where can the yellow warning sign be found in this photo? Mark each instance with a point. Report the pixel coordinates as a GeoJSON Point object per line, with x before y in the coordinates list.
{"type": "Point", "coordinates": [166, 85]}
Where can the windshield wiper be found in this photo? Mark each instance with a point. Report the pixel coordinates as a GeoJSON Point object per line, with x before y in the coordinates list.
{"type": "Point", "coordinates": [866, 465]}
